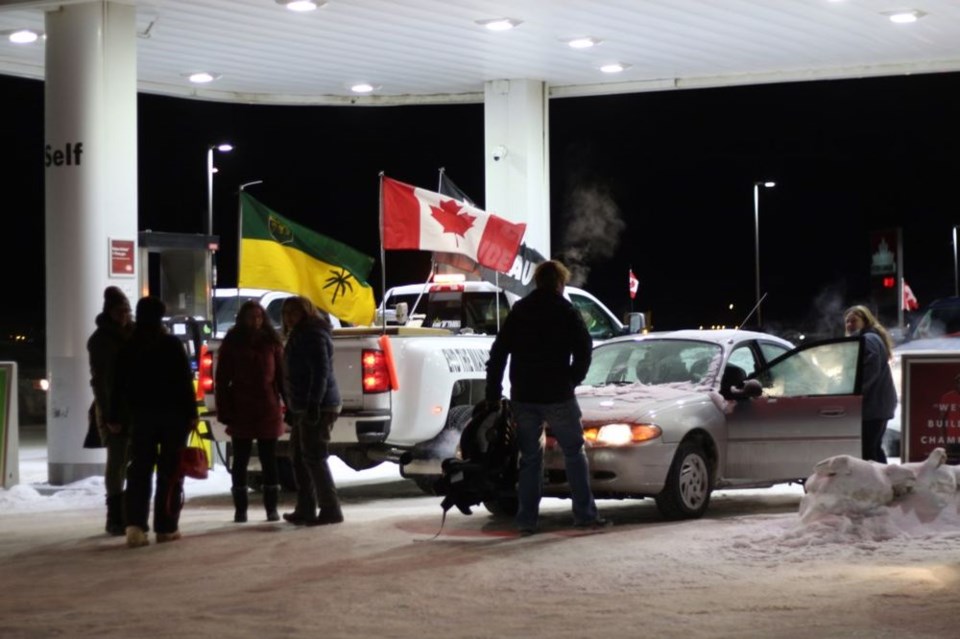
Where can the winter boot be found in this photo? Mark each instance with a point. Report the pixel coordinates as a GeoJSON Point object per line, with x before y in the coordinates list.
{"type": "Point", "coordinates": [239, 503]}
{"type": "Point", "coordinates": [115, 520]}
{"type": "Point", "coordinates": [271, 495]}
{"type": "Point", "coordinates": [136, 537]}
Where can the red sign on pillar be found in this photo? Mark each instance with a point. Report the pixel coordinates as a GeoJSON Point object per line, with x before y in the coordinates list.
{"type": "Point", "coordinates": [121, 258]}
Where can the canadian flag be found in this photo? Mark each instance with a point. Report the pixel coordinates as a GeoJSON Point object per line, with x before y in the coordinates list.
{"type": "Point", "coordinates": [634, 285]}
{"type": "Point", "coordinates": [417, 219]}
{"type": "Point", "coordinates": [910, 302]}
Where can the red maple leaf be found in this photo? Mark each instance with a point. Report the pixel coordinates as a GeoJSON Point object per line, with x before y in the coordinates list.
{"type": "Point", "coordinates": [451, 217]}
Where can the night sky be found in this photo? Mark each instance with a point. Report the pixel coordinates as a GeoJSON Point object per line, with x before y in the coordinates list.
{"type": "Point", "coordinates": [662, 182]}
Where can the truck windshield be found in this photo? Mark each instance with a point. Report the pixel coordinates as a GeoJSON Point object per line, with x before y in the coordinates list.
{"type": "Point", "coordinates": [225, 311]}
{"type": "Point", "coordinates": [458, 311]}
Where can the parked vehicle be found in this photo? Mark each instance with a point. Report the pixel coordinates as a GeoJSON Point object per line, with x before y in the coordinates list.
{"type": "Point", "coordinates": [408, 384]}
{"type": "Point", "coordinates": [676, 415]}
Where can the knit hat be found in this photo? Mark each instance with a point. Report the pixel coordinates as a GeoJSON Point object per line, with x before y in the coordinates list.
{"type": "Point", "coordinates": [114, 297]}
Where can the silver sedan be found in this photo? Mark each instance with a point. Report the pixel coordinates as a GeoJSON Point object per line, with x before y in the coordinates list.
{"type": "Point", "coordinates": [677, 415]}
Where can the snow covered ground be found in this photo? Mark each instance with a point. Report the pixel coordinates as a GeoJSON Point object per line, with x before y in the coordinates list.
{"type": "Point", "coordinates": [871, 553]}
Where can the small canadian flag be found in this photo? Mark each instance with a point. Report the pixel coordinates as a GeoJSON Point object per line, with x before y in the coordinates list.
{"type": "Point", "coordinates": [634, 285]}
{"type": "Point", "coordinates": [910, 302]}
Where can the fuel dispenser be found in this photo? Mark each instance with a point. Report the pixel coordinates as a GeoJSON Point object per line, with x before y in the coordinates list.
{"type": "Point", "coordinates": [178, 268]}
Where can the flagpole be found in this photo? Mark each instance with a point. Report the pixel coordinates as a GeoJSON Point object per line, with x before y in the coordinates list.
{"type": "Point", "coordinates": [383, 266]}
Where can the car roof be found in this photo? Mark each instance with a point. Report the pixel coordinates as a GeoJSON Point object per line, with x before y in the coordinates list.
{"type": "Point", "coordinates": [246, 292]}
{"type": "Point", "coordinates": [721, 337]}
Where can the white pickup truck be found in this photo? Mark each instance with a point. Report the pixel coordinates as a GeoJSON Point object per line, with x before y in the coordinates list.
{"type": "Point", "coordinates": [409, 383]}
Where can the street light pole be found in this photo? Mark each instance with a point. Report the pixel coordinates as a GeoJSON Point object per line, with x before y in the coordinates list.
{"type": "Point", "coordinates": [223, 148]}
{"type": "Point", "coordinates": [756, 241]}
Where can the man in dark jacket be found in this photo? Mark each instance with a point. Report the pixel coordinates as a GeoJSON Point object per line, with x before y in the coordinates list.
{"type": "Point", "coordinates": [114, 327]}
{"type": "Point", "coordinates": [313, 406]}
{"type": "Point", "coordinates": [549, 349]}
{"type": "Point", "coordinates": [154, 386]}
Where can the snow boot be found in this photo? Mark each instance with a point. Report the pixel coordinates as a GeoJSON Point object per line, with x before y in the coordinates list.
{"type": "Point", "coordinates": [115, 520]}
{"type": "Point", "coordinates": [136, 537]}
{"type": "Point", "coordinates": [239, 503]}
{"type": "Point", "coordinates": [271, 495]}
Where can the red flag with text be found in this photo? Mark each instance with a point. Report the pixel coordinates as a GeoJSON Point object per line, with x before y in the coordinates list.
{"type": "Point", "coordinates": [634, 285]}
{"type": "Point", "coordinates": [414, 218]}
{"type": "Point", "coordinates": [910, 302]}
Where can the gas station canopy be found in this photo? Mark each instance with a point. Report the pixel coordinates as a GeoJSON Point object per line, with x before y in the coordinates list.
{"type": "Point", "coordinates": [438, 51]}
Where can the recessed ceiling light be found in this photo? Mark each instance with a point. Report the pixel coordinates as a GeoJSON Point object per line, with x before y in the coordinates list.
{"type": "Point", "coordinates": [301, 6]}
{"type": "Point", "coordinates": [363, 87]}
{"type": "Point", "coordinates": [202, 77]}
{"type": "Point", "coordinates": [583, 43]}
{"type": "Point", "coordinates": [24, 36]}
{"type": "Point", "coordinates": [614, 67]}
{"type": "Point", "coordinates": [499, 24]}
{"type": "Point", "coordinates": [904, 17]}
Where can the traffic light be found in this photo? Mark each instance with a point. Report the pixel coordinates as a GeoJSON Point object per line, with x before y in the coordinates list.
{"type": "Point", "coordinates": [889, 281]}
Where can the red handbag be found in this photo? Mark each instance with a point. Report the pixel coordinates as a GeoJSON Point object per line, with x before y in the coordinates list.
{"type": "Point", "coordinates": [193, 459]}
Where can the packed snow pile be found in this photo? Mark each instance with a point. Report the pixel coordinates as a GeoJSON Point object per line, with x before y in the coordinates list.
{"type": "Point", "coordinates": [848, 499]}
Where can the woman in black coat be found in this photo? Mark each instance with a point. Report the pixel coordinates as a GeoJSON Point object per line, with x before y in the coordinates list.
{"type": "Point", "coordinates": [154, 386]}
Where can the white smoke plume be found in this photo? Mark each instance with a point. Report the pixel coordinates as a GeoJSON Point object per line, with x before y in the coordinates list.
{"type": "Point", "coordinates": [593, 229]}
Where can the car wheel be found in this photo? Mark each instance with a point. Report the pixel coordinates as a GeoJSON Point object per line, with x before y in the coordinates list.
{"type": "Point", "coordinates": [504, 506]}
{"type": "Point", "coordinates": [686, 494]}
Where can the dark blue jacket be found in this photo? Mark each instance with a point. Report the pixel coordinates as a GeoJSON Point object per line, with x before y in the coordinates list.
{"type": "Point", "coordinates": [549, 349]}
{"type": "Point", "coordinates": [308, 357]}
{"type": "Point", "coordinates": [879, 393]}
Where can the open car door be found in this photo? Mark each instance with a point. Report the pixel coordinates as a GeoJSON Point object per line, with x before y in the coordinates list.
{"type": "Point", "coordinates": [809, 410]}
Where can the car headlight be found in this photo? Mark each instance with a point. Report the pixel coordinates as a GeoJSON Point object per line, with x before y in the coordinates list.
{"type": "Point", "coordinates": [620, 434]}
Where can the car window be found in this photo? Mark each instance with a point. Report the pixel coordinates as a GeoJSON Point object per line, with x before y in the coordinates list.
{"type": "Point", "coordinates": [743, 357]}
{"type": "Point", "coordinates": [275, 312]}
{"type": "Point", "coordinates": [597, 321]}
{"type": "Point", "coordinates": [653, 361]}
{"type": "Point", "coordinates": [772, 351]}
{"type": "Point", "coordinates": [225, 310]}
{"type": "Point", "coordinates": [828, 368]}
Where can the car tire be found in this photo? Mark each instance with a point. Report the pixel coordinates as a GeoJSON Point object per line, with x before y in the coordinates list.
{"type": "Point", "coordinates": [686, 494]}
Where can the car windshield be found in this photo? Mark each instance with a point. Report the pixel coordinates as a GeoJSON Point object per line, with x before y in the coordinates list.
{"type": "Point", "coordinates": [654, 361]}
{"type": "Point", "coordinates": [938, 321]}
{"type": "Point", "coordinates": [225, 310]}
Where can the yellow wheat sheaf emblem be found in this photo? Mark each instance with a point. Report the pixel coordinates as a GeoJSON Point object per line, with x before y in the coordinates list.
{"type": "Point", "coordinates": [279, 231]}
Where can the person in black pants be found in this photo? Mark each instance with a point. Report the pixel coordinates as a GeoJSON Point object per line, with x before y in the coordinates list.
{"type": "Point", "coordinates": [249, 393]}
{"type": "Point", "coordinates": [154, 386]}
{"type": "Point", "coordinates": [879, 392]}
{"type": "Point", "coordinates": [313, 406]}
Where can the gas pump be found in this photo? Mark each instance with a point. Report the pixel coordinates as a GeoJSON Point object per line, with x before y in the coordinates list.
{"type": "Point", "coordinates": [178, 269]}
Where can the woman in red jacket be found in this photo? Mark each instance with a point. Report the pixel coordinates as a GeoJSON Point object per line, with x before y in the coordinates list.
{"type": "Point", "coordinates": [249, 393]}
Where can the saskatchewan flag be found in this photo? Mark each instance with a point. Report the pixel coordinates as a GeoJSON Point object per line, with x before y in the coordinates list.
{"type": "Point", "coordinates": [279, 254]}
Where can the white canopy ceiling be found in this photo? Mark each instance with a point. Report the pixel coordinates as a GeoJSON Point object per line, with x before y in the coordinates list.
{"type": "Point", "coordinates": [419, 51]}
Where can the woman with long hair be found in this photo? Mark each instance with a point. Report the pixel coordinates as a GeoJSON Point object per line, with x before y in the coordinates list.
{"type": "Point", "coordinates": [879, 392]}
{"type": "Point", "coordinates": [249, 394]}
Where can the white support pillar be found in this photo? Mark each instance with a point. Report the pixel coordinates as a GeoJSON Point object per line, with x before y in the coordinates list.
{"type": "Point", "coordinates": [516, 142]}
{"type": "Point", "coordinates": [90, 157]}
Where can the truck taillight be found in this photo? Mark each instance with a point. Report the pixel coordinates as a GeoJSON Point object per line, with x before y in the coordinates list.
{"type": "Point", "coordinates": [376, 377]}
{"type": "Point", "coordinates": [205, 378]}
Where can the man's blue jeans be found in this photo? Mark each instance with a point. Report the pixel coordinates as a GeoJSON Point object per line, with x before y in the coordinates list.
{"type": "Point", "coordinates": [564, 421]}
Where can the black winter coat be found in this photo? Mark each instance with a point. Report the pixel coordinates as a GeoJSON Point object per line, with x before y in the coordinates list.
{"type": "Point", "coordinates": [549, 349]}
{"type": "Point", "coordinates": [308, 356]}
{"type": "Point", "coordinates": [154, 382]}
